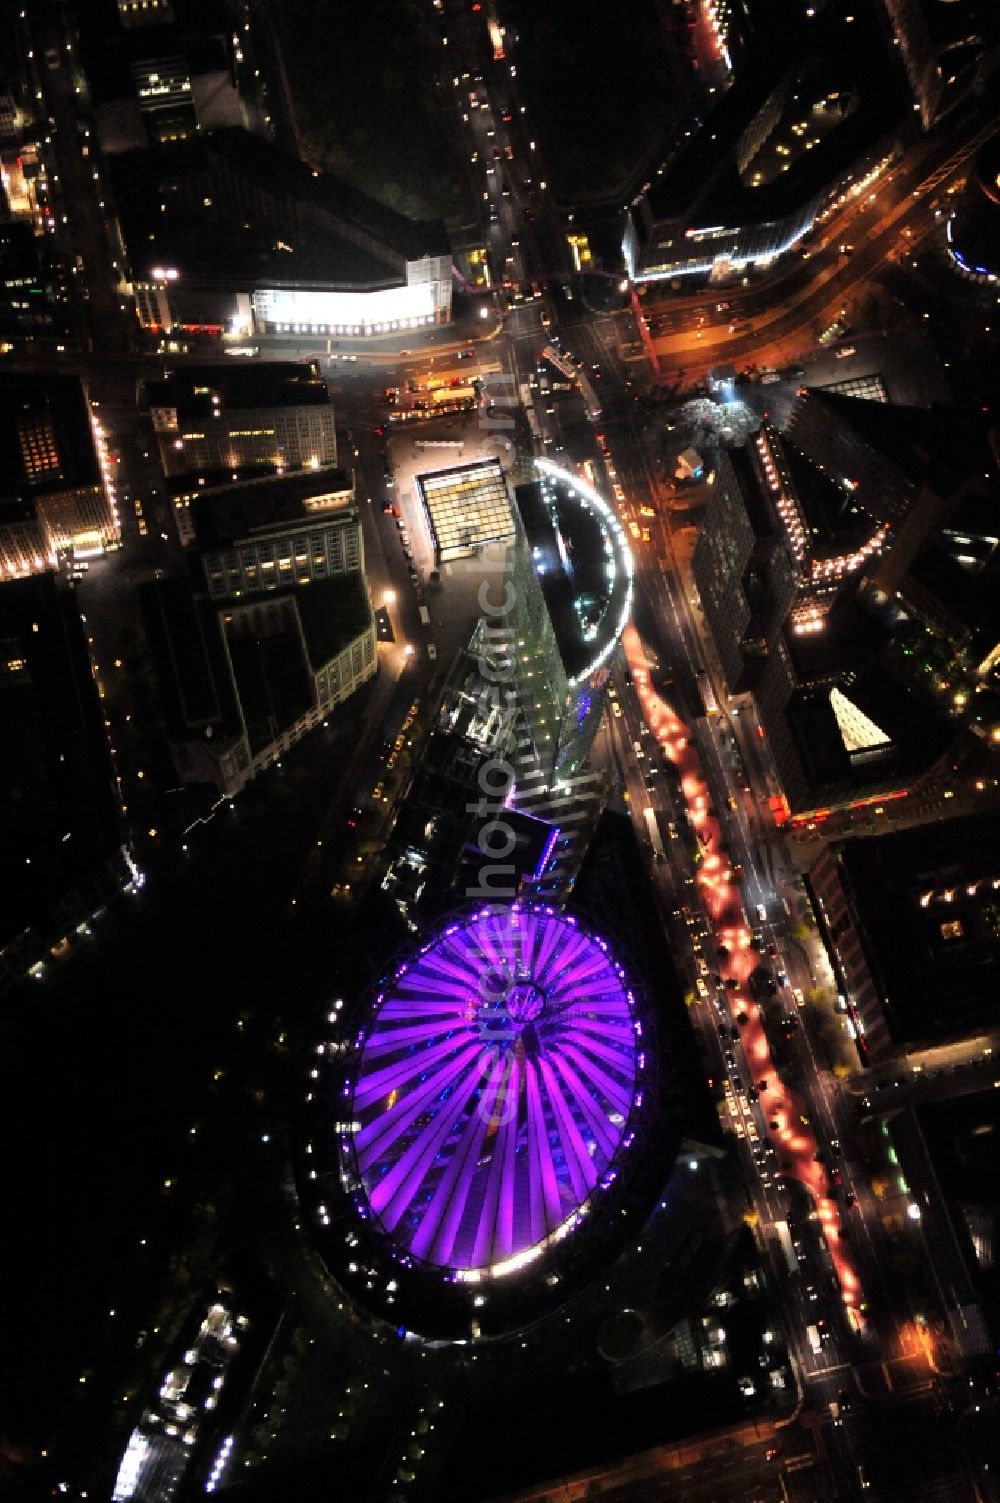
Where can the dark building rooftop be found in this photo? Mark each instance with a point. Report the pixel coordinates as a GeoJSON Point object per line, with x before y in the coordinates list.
{"type": "Point", "coordinates": [230, 513]}
{"type": "Point", "coordinates": [703, 182]}
{"type": "Point", "coordinates": [186, 648]}
{"type": "Point", "coordinates": [894, 448]}
{"type": "Point", "coordinates": [854, 637]}
{"type": "Point", "coordinates": [268, 165]}
{"type": "Point", "coordinates": [111, 51]}
{"type": "Point", "coordinates": [835, 522]}
{"type": "Point", "coordinates": [928, 901]}
{"type": "Point", "coordinates": [332, 612]}
{"type": "Point", "coordinates": [306, 226]}
{"type": "Point", "coordinates": [269, 682]}
{"type": "Point", "coordinates": [974, 233]}
{"type": "Point", "coordinates": [272, 683]}
{"type": "Point", "coordinates": [962, 1136]}
{"type": "Point", "coordinates": [58, 810]}
{"type": "Point", "coordinates": [863, 730]}
{"type": "Point", "coordinates": [270, 383]}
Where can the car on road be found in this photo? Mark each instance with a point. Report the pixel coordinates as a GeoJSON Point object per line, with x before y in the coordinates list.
{"type": "Point", "coordinates": [432, 651]}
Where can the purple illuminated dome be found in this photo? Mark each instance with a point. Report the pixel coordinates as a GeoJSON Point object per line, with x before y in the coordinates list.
{"type": "Point", "coordinates": [496, 1082]}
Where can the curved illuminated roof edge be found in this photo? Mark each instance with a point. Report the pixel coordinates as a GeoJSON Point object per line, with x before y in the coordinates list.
{"type": "Point", "coordinates": [623, 554]}
{"type": "Point", "coordinates": [435, 1007]}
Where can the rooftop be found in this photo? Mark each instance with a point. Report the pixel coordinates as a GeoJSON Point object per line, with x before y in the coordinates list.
{"type": "Point", "coordinates": [333, 612]}
{"type": "Point", "coordinates": [192, 676]}
{"type": "Point", "coordinates": [928, 900]}
{"type": "Point", "coordinates": [198, 390]}
{"type": "Point", "coordinates": [834, 521]}
{"type": "Point", "coordinates": [272, 684]}
{"type": "Point", "coordinates": [466, 506]}
{"type": "Point", "coordinates": [702, 184]}
{"type": "Point", "coordinates": [58, 809]}
{"type": "Point", "coordinates": [231, 513]}
{"type": "Point", "coordinates": [897, 446]}
{"type": "Point", "coordinates": [351, 238]}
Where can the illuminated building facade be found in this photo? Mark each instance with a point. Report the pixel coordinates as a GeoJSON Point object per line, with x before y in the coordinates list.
{"type": "Point", "coordinates": [57, 490]}
{"type": "Point", "coordinates": [778, 565]}
{"type": "Point", "coordinates": [266, 535]}
{"type": "Point", "coordinates": [227, 417]}
{"type": "Point", "coordinates": [571, 585]}
{"type": "Point", "coordinates": [424, 299]}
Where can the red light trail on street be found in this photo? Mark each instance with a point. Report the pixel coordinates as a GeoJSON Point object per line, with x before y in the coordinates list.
{"type": "Point", "coordinates": [793, 1138]}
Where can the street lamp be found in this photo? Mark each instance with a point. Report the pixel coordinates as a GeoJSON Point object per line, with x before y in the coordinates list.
{"type": "Point", "coordinates": [389, 597]}
{"type": "Point", "coordinates": [913, 1211]}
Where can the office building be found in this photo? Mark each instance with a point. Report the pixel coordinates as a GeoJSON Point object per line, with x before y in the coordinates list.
{"type": "Point", "coordinates": [746, 570]}
{"type": "Point", "coordinates": [910, 468]}
{"type": "Point", "coordinates": [243, 681]}
{"type": "Point", "coordinates": [812, 116]}
{"type": "Point", "coordinates": [231, 234]}
{"type": "Point", "coordinates": [948, 1148]}
{"type": "Point", "coordinates": [275, 626]}
{"type": "Point", "coordinates": [163, 72]}
{"type": "Point", "coordinates": [910, 920]}
{"type": "Point", "coordinates": [269, 533]}
{"type": "Point", "coordinates": [779, 565]}
{"type": "Point", "coordinates": [241, 416]}
{"type": "Point", "coordinates": [571, 587]}
{"type": "Point", "coordinates": [56, 489]}
{"type": "Point", "coordinates": [33, 296]}
{"type": "Point", "coordinates": [830, 533]}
